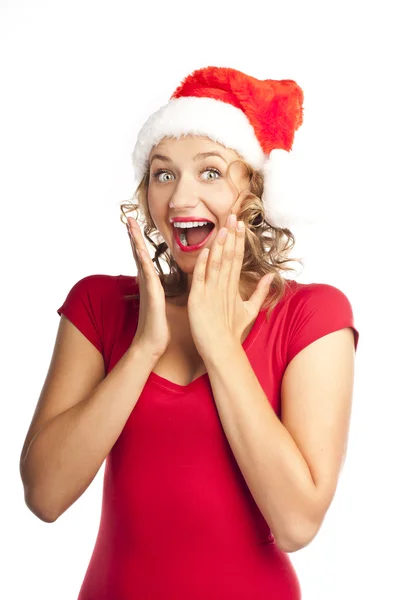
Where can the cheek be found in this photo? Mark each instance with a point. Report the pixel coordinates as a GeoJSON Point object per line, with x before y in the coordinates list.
{"type": "Point", "coordinates": [155, 206]}
{"type": "Point", "coordinates": [219, 201]}
{"type": "Point", "coordinates": [221, 214]}
{"type": "Point", "coordinates": [159, 213]}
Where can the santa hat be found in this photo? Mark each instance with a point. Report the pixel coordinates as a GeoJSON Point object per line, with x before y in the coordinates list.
{"type": "Point", "coordinates": [257, 118]}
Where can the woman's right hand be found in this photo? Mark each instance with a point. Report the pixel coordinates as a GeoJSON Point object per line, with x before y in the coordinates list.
{"type": "Point", "coordinates": [153, 328]}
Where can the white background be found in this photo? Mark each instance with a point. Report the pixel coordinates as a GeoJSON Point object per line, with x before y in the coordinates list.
{"type": "Point", "coordinates": [78, 80]}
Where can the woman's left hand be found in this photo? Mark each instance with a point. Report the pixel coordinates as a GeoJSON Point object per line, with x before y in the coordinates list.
{"type": "Point", "coordinates": [217, 314]}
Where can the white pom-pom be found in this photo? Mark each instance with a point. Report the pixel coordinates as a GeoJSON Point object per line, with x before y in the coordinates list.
{"type": "Point", "coordinates": [287, 198]}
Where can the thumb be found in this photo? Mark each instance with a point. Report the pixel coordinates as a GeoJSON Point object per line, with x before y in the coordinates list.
{"type": "Point", "coordinates": [261, 291]}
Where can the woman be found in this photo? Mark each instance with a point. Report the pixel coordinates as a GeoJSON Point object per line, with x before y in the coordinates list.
{"type": "Point", "coordinates": [220, 401]}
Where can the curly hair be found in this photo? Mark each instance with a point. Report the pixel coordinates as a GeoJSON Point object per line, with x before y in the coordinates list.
{"type": "Point", "coordinates": [267, 248]}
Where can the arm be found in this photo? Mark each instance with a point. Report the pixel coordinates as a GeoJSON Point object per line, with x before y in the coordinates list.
{"type": "Point", "coordinates": [65, 455]}
{"type": "Point", "coordinates": [291, 467]}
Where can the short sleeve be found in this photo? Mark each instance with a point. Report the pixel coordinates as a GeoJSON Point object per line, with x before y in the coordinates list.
{"type": "Point", "coordinates": [83, 306]}
{"type": "Point", "coordinates": [316, 310]}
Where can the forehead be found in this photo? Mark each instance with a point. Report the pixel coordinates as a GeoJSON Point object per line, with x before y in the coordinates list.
{"type": "Point", "coordinates": [192, 144]}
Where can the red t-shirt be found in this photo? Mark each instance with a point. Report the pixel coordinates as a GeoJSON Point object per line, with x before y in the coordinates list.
{"type": "Point", "coordinates": [178, 520]}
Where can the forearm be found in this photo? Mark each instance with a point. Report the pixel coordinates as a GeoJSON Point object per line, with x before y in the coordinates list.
{"type": "Point", "coordinates": [66, 454]}
{"type": "Point", "coordinates": [271, 463]}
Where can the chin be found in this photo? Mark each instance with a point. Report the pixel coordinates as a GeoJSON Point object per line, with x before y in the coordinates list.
{"type": "Point", "coordinates": [185, 268]}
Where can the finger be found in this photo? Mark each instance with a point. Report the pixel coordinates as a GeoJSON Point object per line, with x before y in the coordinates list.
{"type": "Point", "coordinates": [133, 246]}
{"type": "Point", "coordinates": [237, 262]}
{"type": "Point", "coordinates": [260, 293]}
{"type": "Point", "coordinates": [199, 274]}
{"type": "Point", "coordinates": [140, 251]}
{"type": "Point", "coordinates": [228, 253]}
{"type": "Point", "coordinates": [138, 240]}
{"type": "Point", "coordinates": [215, 258]}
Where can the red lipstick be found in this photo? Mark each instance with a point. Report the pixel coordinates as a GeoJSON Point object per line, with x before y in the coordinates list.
{"type": "Point", "coordinates": [196, 246]}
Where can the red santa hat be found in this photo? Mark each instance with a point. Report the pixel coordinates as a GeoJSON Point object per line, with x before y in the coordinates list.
{"type": "Point", "coordinates": [257, 118]}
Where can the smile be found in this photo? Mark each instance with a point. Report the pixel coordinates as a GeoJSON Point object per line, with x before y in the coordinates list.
{"type": "Point", "coordinates": [184, 248]}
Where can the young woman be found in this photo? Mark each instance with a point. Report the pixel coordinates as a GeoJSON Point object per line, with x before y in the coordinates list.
{"type": "Point", "coordinates": [219, 398]}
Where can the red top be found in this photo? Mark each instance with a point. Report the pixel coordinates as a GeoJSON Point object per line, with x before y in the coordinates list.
{"type": "Point", "coordinates": [178, 521]}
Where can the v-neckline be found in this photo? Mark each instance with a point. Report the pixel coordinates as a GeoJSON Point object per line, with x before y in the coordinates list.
{"type": "Point", "coordinates": [162, 382]}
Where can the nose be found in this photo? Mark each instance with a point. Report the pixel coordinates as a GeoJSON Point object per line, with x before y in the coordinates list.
{"type": "Point", "coordinates": [184, 193]}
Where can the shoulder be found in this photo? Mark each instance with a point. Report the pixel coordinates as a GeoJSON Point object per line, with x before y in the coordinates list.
{"type": "Point", "coordinates": [128, 284]}
{"type": "Point", "coordinates": [313, 310]}
{"type": "Point", "coordinates": [97, 281]}
{"type": "Point", "coordinates": [297, 292]}
{"type": "Point", "coordinates": [93, 290]}
{"type": "Point", "coordinates": [308, 297]}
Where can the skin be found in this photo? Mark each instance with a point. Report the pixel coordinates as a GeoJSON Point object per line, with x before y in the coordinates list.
{"type": "Point", "coordinates": [294, 487]}
{"type": "Point", "coordinates": [193, 190]}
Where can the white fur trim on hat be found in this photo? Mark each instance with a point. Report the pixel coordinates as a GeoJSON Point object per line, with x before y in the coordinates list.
{"type": "Point", "coordinates": [215, 119]}
{"type": "Point", "coordinates": [229, 126]}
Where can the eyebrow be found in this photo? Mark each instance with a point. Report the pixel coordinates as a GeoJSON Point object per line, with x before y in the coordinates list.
{"type": "Point", "coordinates": [199, 156]}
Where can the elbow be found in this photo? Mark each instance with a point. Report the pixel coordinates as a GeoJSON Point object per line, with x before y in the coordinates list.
{"type": "Point", "coordinates": [34, 500]}
{"type": "Point", "coordinates": [303, 528]}
{"type": "Point", "coordinates": [297, 538]}
{"type": "Point", "coordinates": [46, 519]}
{"type": "Point", "coordinates": [40, 511]}
{"type": "Point", "coordinates": [291, 545]}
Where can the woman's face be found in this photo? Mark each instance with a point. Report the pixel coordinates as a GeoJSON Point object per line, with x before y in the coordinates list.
{"type": "Point", "coordinates": [189, 185]}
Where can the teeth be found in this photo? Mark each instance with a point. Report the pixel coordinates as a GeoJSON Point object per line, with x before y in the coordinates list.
{"type": "Point", "coordinates": [183, 225]}
{"type": "Point", "coordinates": [186, 225]}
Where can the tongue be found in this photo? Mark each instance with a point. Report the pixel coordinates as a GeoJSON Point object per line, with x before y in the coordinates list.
{"type": "Point", "coordinates": [196, 235]}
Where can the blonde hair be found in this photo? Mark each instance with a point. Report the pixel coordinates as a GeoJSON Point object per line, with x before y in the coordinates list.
{"type": "Point", "coordinates": [267, 248]}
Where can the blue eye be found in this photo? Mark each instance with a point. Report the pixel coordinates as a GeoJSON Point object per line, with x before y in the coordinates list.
{"type": "Point", "coordinates": [212, 170]}
{"type": "Point", "coordinates": [160, 172]}
{"type": "Point", "coordinates": [165, 171]}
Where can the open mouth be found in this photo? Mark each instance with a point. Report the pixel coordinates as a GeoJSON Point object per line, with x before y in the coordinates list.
{"type": "Point", "coordinates": [192, 239]}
